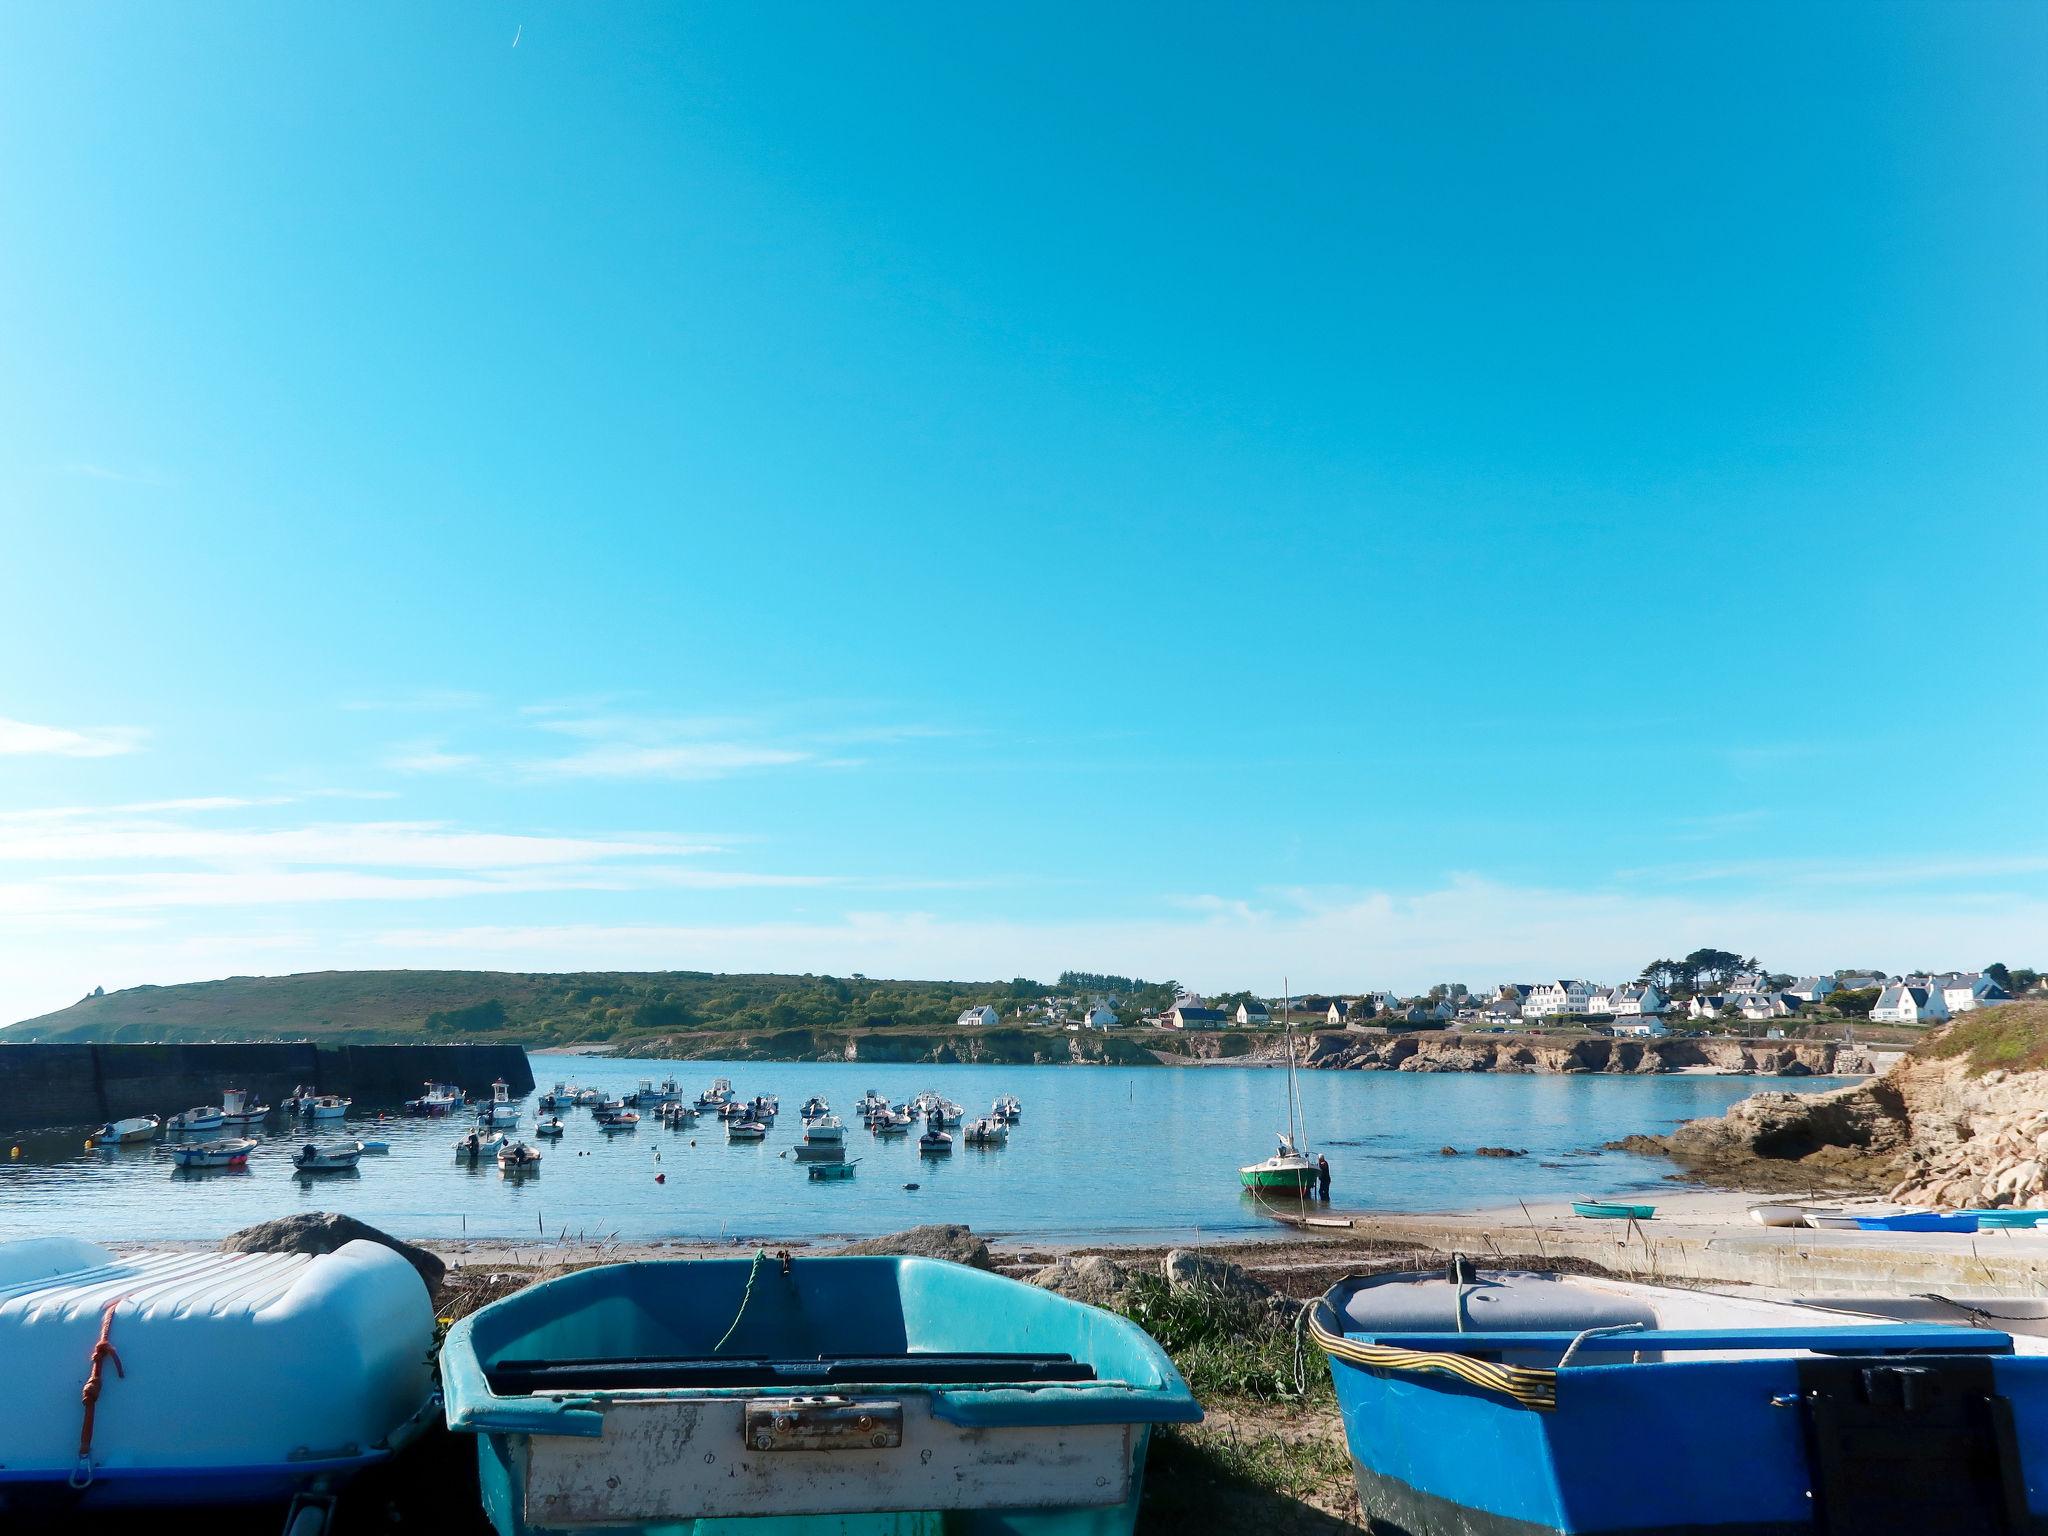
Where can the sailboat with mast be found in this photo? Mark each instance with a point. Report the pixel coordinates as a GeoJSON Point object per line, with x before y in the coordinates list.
{"type": "Point", "coordinates": [1289, 1171]}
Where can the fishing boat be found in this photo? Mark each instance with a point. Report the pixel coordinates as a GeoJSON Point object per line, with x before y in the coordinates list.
{"type": "Point", "coordinates": [555, 1098]}
{"type": "Point", "coordinates": [624, 1120]}
{"type": "Point", "coordinates": [765, 1107]}
{"type": "Point", "coordinates": [814, 1107]}
{"type": "Point", "coordinates": [841, 1170]}
{"type": "Point", "coordinates": [675, 1113]}
{"type": "Point", "coordinates": [336, 1157]}
{"type": "Point", "coordinates": [323, 1106]}
{"type": "Point", "coordinates": [439, 1099]}
{"type": "Point", "coordinates": [238, 1108]}
{"type": "Point", "coordinates": [986, 1132]}
{"type": "Point", "coordinates": [231, 1153]}
{"type": "Point", "coordinates": [549, 1127]}
{"type": "Point", "coordinates": [500, 1113]}
{"type": "Point", "coordinates": [827, 1129]}
{"type": "Point", "coordinates": [936, 1140]}
{"type": "Point", "coordinates": [878, 1396]}
{"type": "Point", "coordinates": [895, 1123]}
{"type": "Point", "coordinates": [644, 1092]}
{"type": "Point", "coordinates": [476, 1146]}
{"type": "Point", "coordinates": [1290, 1172]}
{"type": "Point", "coordinates": [517, 1156]}
{"type": "Point", "coordinates": [193, 1122]}
{"type": "Point", "coordinates": [1006, 1109]}
{"type": "Point", "coordinates": [337, 1350]}
{"type": "Point", "coordinates": [589, 1097]}
{"type": "Point", "coordinates": [1612, 1210]}
{"type": "Point", "coordinates": [717, 1096]}
{"type": "Point", "coordinates": [1767, 1416]}
{"type": "Point", "coordinates": [745, 1130]}
{"type": "Point", "coordinates": [129, 1132]}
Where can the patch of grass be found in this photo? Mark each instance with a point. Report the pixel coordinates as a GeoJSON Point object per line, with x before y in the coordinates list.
{"type": "Point", "coordinates": [1230, 1347]}
{"type": "Point", "coordinates": [2013, 1036]}
{"type": "Point", "coordinates": [1225, 1477]}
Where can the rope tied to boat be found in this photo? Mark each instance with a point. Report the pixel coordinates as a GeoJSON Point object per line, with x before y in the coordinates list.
{"type": "Point", "coordinates": [102, 1351]}
{"type": "Point", "coordinates": [1594, 1333]}
{"type": "Point", "coordinates": [760, 1257]}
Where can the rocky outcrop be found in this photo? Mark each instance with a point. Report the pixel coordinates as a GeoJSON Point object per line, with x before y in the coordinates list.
{"type": "Point", "coordinates": [323, 1232]}
{"type": "Point", "coordinates": [941, 1240]}
{"type": "Point", "coordinates": [1939, 1129]}
{"type": "Point", "coordinates": [1089, 1277]}
{"type": "Point", "coordinates": [1443, 1051]}
{"type": "Point", "coordinates": [1104, 1282]}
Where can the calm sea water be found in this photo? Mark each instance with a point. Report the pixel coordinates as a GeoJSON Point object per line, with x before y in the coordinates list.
{"type": "Point", "coordinates": [1103, 1152]}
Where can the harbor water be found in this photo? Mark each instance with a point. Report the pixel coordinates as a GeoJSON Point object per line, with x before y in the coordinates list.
{"type": "Point", "coordinates": [1101, 1153]}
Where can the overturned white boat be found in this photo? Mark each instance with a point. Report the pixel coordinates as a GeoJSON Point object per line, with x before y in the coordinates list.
{"type": "Point", "coordinates": [351, 1331]}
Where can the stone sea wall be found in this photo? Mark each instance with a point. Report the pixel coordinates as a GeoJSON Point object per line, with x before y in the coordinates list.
{"type": "Point", "coordinates": [87, 1085]}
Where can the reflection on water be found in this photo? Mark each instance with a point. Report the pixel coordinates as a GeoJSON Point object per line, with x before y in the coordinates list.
{"type": "Point", "coordinates": [1101, 1151]}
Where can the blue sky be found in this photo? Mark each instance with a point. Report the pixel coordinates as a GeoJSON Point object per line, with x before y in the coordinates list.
{"type": "Point", "coordinates": [1370, 494]}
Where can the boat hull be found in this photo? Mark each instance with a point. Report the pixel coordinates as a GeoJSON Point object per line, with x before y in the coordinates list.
{"type": "Point", "coordinates": [1286, 1181]}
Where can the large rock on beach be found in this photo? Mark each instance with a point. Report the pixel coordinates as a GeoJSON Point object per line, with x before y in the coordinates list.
{"type": "Point", "coordinates": [1088, 1277]}
{"type": "Point", "coordinates": [323, 1232]}
{"type": "Point", "coordinates": [941, 1240]}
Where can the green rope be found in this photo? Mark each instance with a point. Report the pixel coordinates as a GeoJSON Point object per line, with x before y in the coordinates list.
{"type": "Point", "coordinates": [745, 1297]}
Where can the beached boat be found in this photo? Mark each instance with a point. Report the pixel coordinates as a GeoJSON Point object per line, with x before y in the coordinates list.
{"type": "Point", "coordinates": [1496, 1403]}
{"type": "Point", "coordinates": [2008, 1220]}
{"type": "Point", "coordinates": [745, 1130]}
{"type": "Point", "coordinates": [129, 1132]}
{"type": "Point", "coordinates": [986, 1132]}
{"type": "Point", "coordinates": [1613, 1210]}
{"type": "Point", "coordinates": [338, 1349]}
{"type": "Point", "coordinates": [1833, 1221]}
{"type": "Point", "coordinates": [884, 1397]}
{"type": "Point", "coordinates": [517, 1156]}
{"type": "Point", "coordinates": [231, 1153]}
{"type": "Point", "coordinates": [549, 1127]}
{"type": "Point", "coordinates": [238, 1108]}
{"type": "Point", "coordinates": [1919, 1221]}
{"type": "Point", "coordinates": [335, 1157]}
{"type": "Point", "coordinates": [1778, 1215]}
{"type": "Point", "coordinates": [195, 1122]}
{"type": "Point", "coordinates": [839, 1170]}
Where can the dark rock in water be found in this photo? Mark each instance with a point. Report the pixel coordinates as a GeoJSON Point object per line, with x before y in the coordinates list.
{"type": "Point", "coordinates": [1446, 1151]}
{"type": "Point", "coordinates": [1498, 1152]}
{"type": "Point", "coordinates": [942, 1240]}
{"type": "Point", "coordinates": [323, 1232]}
{"type": "Point", "coordinates": [1089, 1277]}
{"type": "Point", "coordinates": [1649, 1146]}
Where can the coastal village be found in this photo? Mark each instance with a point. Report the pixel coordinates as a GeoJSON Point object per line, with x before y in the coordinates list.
{"type": "Point", "coordinates": [1721, 995]}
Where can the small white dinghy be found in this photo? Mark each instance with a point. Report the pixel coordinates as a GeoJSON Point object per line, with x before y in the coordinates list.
{"type": "Point", "coordinates": [338, 1157]}
{"type": "Point", "coordinates": [518, 1157]}
{"type": "Point", "coordinates": [129, 1132]}
{"type": "Point", "coordinates": [351, 1332]}
{"type": "Point", "coordinates": [1778, 1215]}
{"type": "Point", "coordinates": [232, 1152]}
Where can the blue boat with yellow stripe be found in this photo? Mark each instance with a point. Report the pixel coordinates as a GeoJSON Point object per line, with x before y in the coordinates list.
{"type": "Point", "coordinates": [1519, 1403]}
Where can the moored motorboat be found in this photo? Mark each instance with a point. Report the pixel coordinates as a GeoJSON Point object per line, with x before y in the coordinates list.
{"type": "Point", "coordinates": [476, 1145]}
{"type": "Point", "coordinates": [230, 1153]}
{"type": "Point", "coordinates": [745, 1130]}
{"type": "Point", "coordinates": [549, 1127]}
{"type": "Point", "coordinates": [517, 1156]}
{"type": "Point", "coordinates": [866, 1395]}
{"type": "Point", "coordinates": [323, 1106]}
{"type": "Point", "coordinates": [351, 1332]}
{"type": "Point", "coordinates": [500, 1113]}
{"type": "Point", "coordinates": [826, 1130]}
{"type": "Point", "coordinates": [815, 1107]}
{"type": "Point", "coordinates": [986, 1132]}
{"type": "Point", "coordinates": [194, 1122]}
{"type": "Point", "coordinates": [237, 1107]}
{"type": "Point", "coordinates": [621, 1120]}
{"type": "Point", "coordinates": [839, 1170]}
{"type": "Point", "coordinates": [717, 1096]}
{"type": "Point", "coordinates": [439, 1099]}
{"type": "Point", "coordinates": [1549, 1373]}
{"type": "Point", "coordinates": [935, 1141]}
{"type": "Point", "coordinates": [895, 1123]}
{"type": "Point", "coordinates": [335, 1157]}
{"type": "Point", "coordinates": [127, 1133]}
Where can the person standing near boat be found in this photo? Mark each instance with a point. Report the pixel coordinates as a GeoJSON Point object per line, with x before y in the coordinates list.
{"type": "Point", "coordinates": [1322, 1177]}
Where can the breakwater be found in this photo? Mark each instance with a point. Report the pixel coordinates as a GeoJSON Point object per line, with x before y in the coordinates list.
{"type": "Point", "coordinates": [85, 1085]}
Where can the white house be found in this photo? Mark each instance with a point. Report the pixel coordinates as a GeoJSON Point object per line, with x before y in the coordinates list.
{"type": "Point", "coordinates": [982, 1016]}
{"type": "Point", "coordinates": [1642, 1025]}
{"type": "Point", "coordinates": [1707, 1005]}
{"type": "Point", "coordinates": [1600, 1003]}
{"type": "Point", "coordinates": [1504, 1011]}
{"type": "Point", "coordinates": [1758, 1006]}
{"type": "Point", "coordinates": [1902, 1003]}
{"type": "Point", "coordinates": [1640, 998]}
{"type": "Point", "coordinates": [1100, 1017]}
{"type": "Point", "coordinates": [1552, 997]}
{"type": "Point", "coordinates": [1964, 991]}
{"type": "Point", "coordinates": [1338, 1013]}
{"type": "Point", "coordinates": [1254, 1013]}
{"type": "Point", "coordinates": [1811, 989]}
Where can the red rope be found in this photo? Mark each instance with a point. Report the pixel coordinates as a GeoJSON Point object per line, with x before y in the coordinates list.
{"type": "Point", "coordinates": [102, 1351]}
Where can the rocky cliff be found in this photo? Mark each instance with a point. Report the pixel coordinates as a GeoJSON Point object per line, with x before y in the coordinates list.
{"type": "Point", "coordinates": [1960, 1121]}
{"type": "Point", "coordinates": [1447, 1052]}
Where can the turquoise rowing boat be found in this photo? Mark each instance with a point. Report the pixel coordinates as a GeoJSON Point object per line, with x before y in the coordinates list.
{"type": "Point", "coordinates": [1612, 1210]}
{"type": "Point", "coordinates": [855, 1396]}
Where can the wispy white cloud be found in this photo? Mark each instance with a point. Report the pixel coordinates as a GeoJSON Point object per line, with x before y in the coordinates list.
{"type": "Point", "coordinates": [427, 757]}
{"type": "Point", "coordinates": [676, 760]}
{"type": "Point", "coordinates": [20, 738]}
